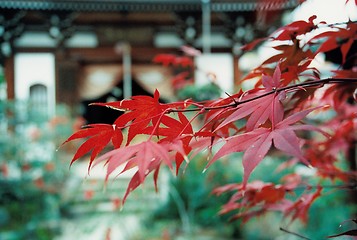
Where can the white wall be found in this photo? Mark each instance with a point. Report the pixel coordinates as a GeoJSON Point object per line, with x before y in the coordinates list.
{"type": "Point", "coordinates": [221, 65]}
{"type": "Point", "coordinates": [35, 68]}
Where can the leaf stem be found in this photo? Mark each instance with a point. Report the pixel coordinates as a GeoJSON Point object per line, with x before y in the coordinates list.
{"type": "Point", "coordinates": [157, 124]}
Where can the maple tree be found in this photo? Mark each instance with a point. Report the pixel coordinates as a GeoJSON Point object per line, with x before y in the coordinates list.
{"type": "Point", "coordinates": [271, 118]}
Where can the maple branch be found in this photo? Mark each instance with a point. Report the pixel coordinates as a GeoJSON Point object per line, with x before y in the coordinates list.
{"type": "Point", "coordinates": [335, 24]}
{"type": "Point", "coordinates": [293, 233]}
{"type": "Point", "coordinates": [306, 84]}
{"type": "Point", "coordinates": [349, 186]}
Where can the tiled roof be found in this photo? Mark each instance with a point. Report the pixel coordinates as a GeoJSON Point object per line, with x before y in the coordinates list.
{"type": "Point", "coordinates": [145, 5]}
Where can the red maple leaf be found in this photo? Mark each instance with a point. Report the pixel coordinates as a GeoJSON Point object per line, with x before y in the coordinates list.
{"type": "Point", "coordinates": [141, 111]}
{"type": "Point", "coordinates": [164, 59]}
{"type": "Point", "coordinates": [256, 144]}
{"type": "Point", "coordinates": [339, 37]}
{"type": "Point", "coordinates": [146, 157]}
{"type": "Point", "coordinates": [252, 122]}
{"type": "Point", "coordinates": [294, 61]}
{"type": "Point", "coordinates": [175, 132]}
{"type": "Point", "coordinates": [143, 115]}
{"type": "Point", "coordinates": [181, 80]}
{"type": "Point", "coordinates": [251, 200]}
{"type": "Point", "coordinates": [290, 31]}
{"type": "Point", "coordinates": [299, 209]}
{"type": "Point", "coordinates": [257, 197]}
{"type": "Point", "coordinates": [261, 109]}
{"type": "Point", "coordinates": [140, 155]}
{"type": "Point", "coordinates": [97, 138]}
{"type": "Point", "coordinates": [170, 59]}
{"type": "Point", "coordinates": [183, 61]}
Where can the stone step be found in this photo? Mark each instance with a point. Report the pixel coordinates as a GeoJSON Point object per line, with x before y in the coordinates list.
{"type": "Point", "coordinates": [91, 194]}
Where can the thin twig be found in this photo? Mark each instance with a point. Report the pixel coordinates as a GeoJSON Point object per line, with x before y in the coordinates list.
{"type": "Point", "coordinates": [293, 233]}
{"type": "Point", "coordinates": [351, 186]}
{"type": "Point", "coordinates": [307, 84]}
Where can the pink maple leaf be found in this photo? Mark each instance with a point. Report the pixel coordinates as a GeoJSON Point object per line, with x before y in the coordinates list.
{"type": "Point", "coordinates": [256, 144]}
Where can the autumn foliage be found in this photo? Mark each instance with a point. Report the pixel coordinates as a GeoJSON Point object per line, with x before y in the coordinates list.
{"type": "Point", "coordinates": [280, 115]}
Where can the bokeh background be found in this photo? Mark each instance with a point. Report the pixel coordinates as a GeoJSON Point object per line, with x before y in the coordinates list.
{"type": "Point", "coordinates": [57, 57]}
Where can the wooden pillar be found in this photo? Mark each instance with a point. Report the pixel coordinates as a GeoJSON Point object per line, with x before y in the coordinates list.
{"type": "Point", "coordinates": [10, 76]}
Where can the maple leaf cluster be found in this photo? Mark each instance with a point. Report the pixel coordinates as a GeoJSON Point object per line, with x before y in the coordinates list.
{"type": "Point", "coordinates": [262, 121]}
{"type": "Point", "coordinates": [257, 198]}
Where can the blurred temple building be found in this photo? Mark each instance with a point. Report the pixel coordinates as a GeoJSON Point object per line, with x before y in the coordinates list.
{"type": "Point", "coordinates": [77, 51]}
